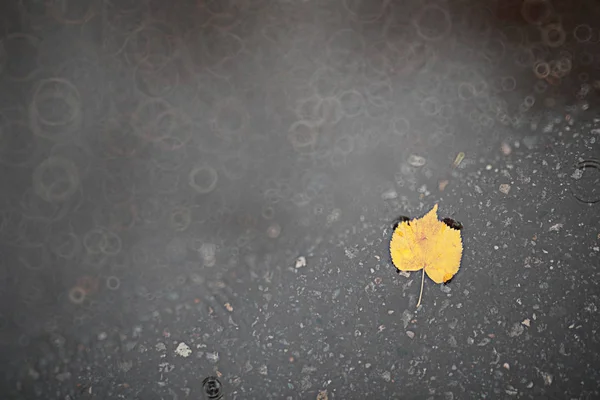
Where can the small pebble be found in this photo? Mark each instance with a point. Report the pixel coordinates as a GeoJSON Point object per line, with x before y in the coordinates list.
{"type": "Point", "coordinates": [387, 376]}
{"type": "Point", "coordinates": [555, 227]}
{"type": "Point", "coordinates": [301, 262]}
{"type": "Point", "coordinates": [506, 149]}
{"type": "Point", "coordinates": [527, 322]}
{"type": "Point", "coordinates": [322, 395]}
{"type": "Point", "coordinates": [548, 378]}
{"type": "Point", "coordinates": [516, 330]}
{"type": "Point", "coordinates": [577, 174]}
{"type": "Point", "coordinates": [410, 334]}
{"type": "Point", "coordinates": [442, 185]}
{"type": "Point", "coordinates": [505, 188]}
{"type": "Point", "coordinates": [183, 350]}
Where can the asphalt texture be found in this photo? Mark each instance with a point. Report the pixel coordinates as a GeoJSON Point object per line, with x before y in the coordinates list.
{"type": "Point", "coordinates": [197, 198]}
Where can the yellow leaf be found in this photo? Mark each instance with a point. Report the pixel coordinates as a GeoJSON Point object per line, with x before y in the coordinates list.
{"type": "Point", "coordinates": [429, 244]}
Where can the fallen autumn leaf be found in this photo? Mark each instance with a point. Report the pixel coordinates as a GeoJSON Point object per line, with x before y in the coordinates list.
{"type": "Point", "coordinates": [428, 244]}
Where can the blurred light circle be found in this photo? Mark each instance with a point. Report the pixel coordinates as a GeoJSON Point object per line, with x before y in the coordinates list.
{"type": "Point", "coordinates": [55, 112]}
{"type": "Point", "coordinates": [55, 179]}
{"type": "Point", "coordinates": [203, 179]}
{"type": "Point", "coordinates": [553, 35]}
{"type": "Point", "coordinates": [366, 11]}
{"type": "Point", "coordinates": [541, 69]}
{"type": "Point", "coordinates": [433, 23]}
{"type": "Point", "coordinates": [536, 12]}
{"type": "Point", "coordinates": [77, 295]}
{"type": "Point", "coordinates": [352, 103]}
{"type": "Point", "coordinates": [582, 33]}
{"type": "Point", "coordinates": [303, 135]}
{"type": "Point", "coordinates": [508, 83]}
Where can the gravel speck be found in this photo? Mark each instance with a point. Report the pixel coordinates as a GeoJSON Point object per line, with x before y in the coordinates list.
{"type": "Point", "coordinates": [504, 188]}
{"type": "Point", "coordinates": [555, 227]}
{"type": "Point", "coordinates": [548, 378]}
{"type": "Point", "coordinates": [300, 262]}
{"type": "Point", "coordinates": [183, 350]}
{"type": "Point", "coordinates": [406, 317]}
{"type": "Point", "coordinates": [387, 376]}
{"type": "Point", "coordinates": [322, 395]}
{"type": "Point", "coordinates": [516, 330]}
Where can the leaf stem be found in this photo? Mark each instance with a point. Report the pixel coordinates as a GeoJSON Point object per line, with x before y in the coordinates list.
{"type": "Point", "coordinates": [421, 293]}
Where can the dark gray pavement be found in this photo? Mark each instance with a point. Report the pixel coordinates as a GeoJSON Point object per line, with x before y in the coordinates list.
{"type": "Point", "coordinates": [198, 189]}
